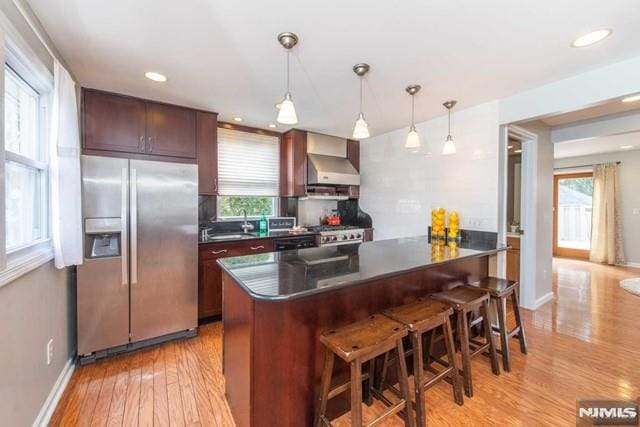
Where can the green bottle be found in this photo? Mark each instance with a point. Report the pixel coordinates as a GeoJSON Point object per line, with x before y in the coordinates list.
{"type": "Point", "coordinates": [264, 224]}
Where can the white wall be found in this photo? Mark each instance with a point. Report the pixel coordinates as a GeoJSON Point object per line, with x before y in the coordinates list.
{"type": "Point", "coordinates": [400, 187]}
{"type": "Point", "coordinates": [629, 194]}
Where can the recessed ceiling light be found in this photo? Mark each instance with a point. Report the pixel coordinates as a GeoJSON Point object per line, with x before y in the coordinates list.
{"type": "Point", "coordinates": [517, 151]}
{"type": "Point", "coordinates": [237, 119]}
{"type": "Point", "coordinates": [156, 77]}
{"type": "Point", "coordinates": [591, 38]}
{"type": "Point", "coordinates": [626, 147]}
{"type": "Point", "coordinates": [272, 126]}
{"type": "Point", "coordinates": [632, 98]}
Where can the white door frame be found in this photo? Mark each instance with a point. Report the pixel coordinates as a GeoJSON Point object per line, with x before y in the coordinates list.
{"type": "Point", "coordinates": [528, 211]}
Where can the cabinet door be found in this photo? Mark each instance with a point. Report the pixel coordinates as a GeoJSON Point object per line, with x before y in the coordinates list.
{"type": "Point", "coordinates": [112, 122]}
{"type": "Point", "coordinates": [209, 289]}
{"type": "Point", "coordinates": [207, 144]}
{"type": "Point", "coordinates": [171, 131]}
{"type": "Point", "coordinates": [353, 155]}
{"type": "Point", "coordinates": [513, 265]}
{"type": "Point", "coordinates": [293, 164]}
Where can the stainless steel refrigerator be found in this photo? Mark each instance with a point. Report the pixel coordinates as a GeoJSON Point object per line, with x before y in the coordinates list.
{"type": "Point", "coordinates": [139, 280]}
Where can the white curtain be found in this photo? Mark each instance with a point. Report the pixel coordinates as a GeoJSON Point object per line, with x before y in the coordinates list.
{"type": "Point", "coordinates": [64, 163]}
{"type": "Point", "coordinates": [606, 226]}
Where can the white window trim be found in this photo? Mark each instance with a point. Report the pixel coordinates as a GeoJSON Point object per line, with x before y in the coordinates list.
{"type": "Point", "coordinates": [17, 52]}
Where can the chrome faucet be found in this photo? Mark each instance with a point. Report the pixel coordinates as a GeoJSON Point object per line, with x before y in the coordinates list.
{"type": "Point", "coordinates": [246, 227]}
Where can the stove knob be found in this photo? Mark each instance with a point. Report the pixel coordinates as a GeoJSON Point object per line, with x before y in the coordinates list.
{"type": "Point", "coordinates": [358, 236]}
{"type": "Point", "coordinates": [351, 236]}
{"type": "Point", "coordinates": [344, 237]}
{"type": "Point", "coordinates": [334, 238]}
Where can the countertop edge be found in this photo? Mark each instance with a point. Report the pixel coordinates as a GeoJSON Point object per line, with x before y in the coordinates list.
{"type": "Point", "coordinates": [316, 291]}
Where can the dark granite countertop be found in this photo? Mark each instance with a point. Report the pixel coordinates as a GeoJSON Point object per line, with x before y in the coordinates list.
{"type": "Point", "coordinates": [252, 236]}
{"type": "Point", "coordinates": [298, 273]}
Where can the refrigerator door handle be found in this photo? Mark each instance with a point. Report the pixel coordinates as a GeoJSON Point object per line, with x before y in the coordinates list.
{"type": "Point", "coordinates": [134, 227]}
{"type": "Point", "coordinates": [124, 238]}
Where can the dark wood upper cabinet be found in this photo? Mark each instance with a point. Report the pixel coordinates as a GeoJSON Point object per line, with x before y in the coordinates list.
{"type": "Point", "coordinates": [113, 122]}
{"type": "Point", "coordinates": [293, 163]}
{"type": "Point", "coordinates": [207, 146]}
{"type": "Point", "coordinates": [171, 131]}
{"type": "Point", "coordinates": [353, 153]}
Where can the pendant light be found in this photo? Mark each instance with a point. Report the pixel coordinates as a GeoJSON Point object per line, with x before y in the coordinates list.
{"type": "Point", "coordinates": [361, 128]}
{"type": "Point", "coordinates": [449, 145]}
{"type": "Point", "coordinates": [287, 113]}
{"type": "Point", "coordinates": [413, 139]}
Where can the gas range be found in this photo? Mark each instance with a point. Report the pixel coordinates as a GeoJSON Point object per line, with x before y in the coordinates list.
{"type": "Point", "coordinates": [335, 235]}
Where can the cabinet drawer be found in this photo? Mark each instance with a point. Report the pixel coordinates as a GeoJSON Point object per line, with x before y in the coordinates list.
{"type": "Point", "coordinates": [230, 249]}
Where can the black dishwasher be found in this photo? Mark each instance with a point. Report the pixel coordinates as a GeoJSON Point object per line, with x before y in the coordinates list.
{"type": "Point", "coordinates": [295, 242]}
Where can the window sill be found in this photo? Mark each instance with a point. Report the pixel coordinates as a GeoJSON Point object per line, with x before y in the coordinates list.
{"type": "Point", "coordinates": [25, 260]}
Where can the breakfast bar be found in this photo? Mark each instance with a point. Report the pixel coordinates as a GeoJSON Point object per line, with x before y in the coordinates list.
{"type": "Point", "coordinates": [275, 306]}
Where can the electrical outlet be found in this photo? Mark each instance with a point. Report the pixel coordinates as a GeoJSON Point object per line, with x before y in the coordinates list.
{"type": "Point", "coordinates": [50, 351]}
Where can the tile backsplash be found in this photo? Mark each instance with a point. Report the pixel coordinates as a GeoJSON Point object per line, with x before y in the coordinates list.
{"type": "Point", "coordinates": [310, 211]}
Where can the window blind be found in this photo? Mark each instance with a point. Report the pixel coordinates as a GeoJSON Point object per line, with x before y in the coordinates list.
{"type": "Point", "coordinates": [248, 164]}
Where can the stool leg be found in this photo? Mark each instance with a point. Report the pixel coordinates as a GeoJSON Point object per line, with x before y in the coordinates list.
{"type": "Point", "coordinates": [495, 368]}
{"type": "Point", "coordinates": [504, 333]}
{"type": "Point", "coordinates": [416, 343]}
{"type": "Point", "coordinates": [356, 393]}
{"type": "Point", "coordinates": [404, 384]}
{"type": "Point", "coordinates": [324, 387]}
{"type": "Point", "coordinates": [516, 311]}
{"type": "Point", "coordinates": [451, 354]}
{"type": "Point", "coordinates": [368, 394]}
{"type": "Point", "coordinates": [463, 336]}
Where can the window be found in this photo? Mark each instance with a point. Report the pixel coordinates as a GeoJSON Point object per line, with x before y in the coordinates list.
{"type": "Point", "coordinates": [248, 174]}
{"type": "Point", "coordinates": [25, 164]}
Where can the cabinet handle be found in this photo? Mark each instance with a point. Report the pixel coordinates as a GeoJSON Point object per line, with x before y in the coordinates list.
{"type": "Point", "coordinates": [221, 251]}
{"type": "Point", "coordinates": [255, 248]}
{"type": "Point", "coordinates": [215, 185]}
{"type": "Point", "coordinates": [141, 144]}
{"type": "Point", "coordinates": [150, 144]}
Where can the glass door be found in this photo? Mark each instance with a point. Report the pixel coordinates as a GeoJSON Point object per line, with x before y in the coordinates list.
{"type": "Point", "coordinates": [572, 206]}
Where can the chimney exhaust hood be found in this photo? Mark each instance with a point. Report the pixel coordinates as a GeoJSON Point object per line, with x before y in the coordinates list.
{"type": "Point", "coordinates": [327, 161]}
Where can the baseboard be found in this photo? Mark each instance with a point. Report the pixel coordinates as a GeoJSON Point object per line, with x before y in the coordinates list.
{"type": "Point", "coordinates": [631, 264]}
{"type": "Point", "coordinates": [543, 300]}
{"type": "Point", "coordinates": [50, 404]}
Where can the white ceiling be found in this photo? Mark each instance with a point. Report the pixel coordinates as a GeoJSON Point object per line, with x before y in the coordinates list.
{"type": "Point", "coordinates": [223, 55]}
{"type": "Point", "coordinates": [586, 147]}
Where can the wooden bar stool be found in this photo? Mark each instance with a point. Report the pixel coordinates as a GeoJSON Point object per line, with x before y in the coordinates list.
{"type": "Point", "coordinates": [465, 301]}
{"type": "Point", "coordinates": [500, 290]}
{"type": "Point", "coordinates": [357, 344]}
{"type": "Point", "coordinates": [420, 317]}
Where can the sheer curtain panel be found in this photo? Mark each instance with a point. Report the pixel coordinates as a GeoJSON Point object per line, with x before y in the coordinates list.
{"type": "Point", "coordinates": [66, 215]}
{"type": "Point", "coordinates": [606, 228]}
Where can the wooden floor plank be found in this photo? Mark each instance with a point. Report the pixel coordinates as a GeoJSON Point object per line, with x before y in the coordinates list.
{"type": "Point", "coordinates": [584, 343]}
{"type": "Point", "coordinates": [103, 404]}
{"type": "Point", "coordinates": [145, 414]}
{"type": "Point", "coordinates": [116, 411]}
{"type": "Point", "coordinates": [160, 402]}
{"type": "Point", "coordinates": [132, 399]}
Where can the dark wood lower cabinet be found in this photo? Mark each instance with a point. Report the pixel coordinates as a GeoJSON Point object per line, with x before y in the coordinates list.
{"type": "Point", "coordinates": [210, 274]}
{"type": "Point", "coordinates": [513, 259]}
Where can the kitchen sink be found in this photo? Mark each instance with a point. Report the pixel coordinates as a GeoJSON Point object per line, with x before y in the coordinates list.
{"type": "Point", "coordinates": [231, 236]}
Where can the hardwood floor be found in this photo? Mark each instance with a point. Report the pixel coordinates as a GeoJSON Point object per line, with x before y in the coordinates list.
{"type": "Point", "coordinates": [584, 343]}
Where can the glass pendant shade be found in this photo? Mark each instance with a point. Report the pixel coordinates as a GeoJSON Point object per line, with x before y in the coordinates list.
{"type": "Point", "coordinates": [287, 114]}
{"type": "Point", "coordinates": [449, 146]}
{"type": "Point", "coordinates": [361, 128]}
{"type": "Point", "coordinates": [413, 139]}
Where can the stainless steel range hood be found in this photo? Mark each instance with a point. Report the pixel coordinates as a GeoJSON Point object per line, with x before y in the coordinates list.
{"type": "Point", "coordinates": [328, 163]}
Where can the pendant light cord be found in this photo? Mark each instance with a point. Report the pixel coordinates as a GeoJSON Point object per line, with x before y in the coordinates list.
{"type": "Point", "coordinates": [413, 104]}
{"type": "Point", "coordinates": [288, 57]}
{"type": "Point", "coordinates": [449, 121]}
{"type": "Point", "coordinates": [360, 94]}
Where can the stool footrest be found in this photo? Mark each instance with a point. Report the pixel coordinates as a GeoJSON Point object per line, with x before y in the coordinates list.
{"type": "Point", "coordinates": [344, 387]}
{"type": "Point", "coordinates": [389, 412]}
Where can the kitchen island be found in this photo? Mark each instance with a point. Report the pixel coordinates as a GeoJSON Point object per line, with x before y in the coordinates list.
{"type": "Point", "coordinates": [275, 305]}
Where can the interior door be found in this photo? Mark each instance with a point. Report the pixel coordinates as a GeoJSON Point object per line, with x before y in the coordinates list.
{"type": "Point", "coordinates": [572, 212]}
{"type": "Point", "coordinates": [171, 131]}
{"type": "Point", "coordinates": [164, 248]}
{"type": "Point", "coordinates": [113, 122]}
{"type": "Point", "coordinates": [103, 283]}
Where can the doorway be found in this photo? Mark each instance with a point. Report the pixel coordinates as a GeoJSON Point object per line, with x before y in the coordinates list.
{"type": "Point", "coordinates": [572, 213]}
